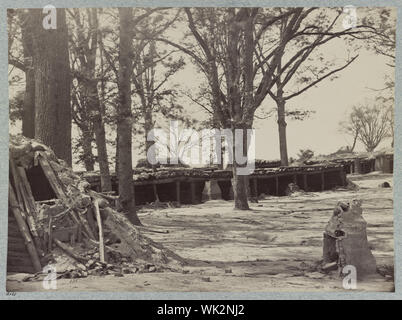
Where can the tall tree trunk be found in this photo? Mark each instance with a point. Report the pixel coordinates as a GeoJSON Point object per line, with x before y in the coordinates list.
{"type": "Point", "coordinates": [103, 161]}
{"type": "Point", "coordinates": [240, 182]}
{"type": "Point", "coordinates": [116, 158]}
{"type": "Point", "coordinates": [28, 115]}
{"type": "Point", "coordinates": [52, 84]}
{"type": "Point", "coordinates": [86, 141]}
{"type": "Point", "coordinates": [100, 135]}
{"type": "Point", "coordinates": [148, 126]}
{"type": "Point", "coordinates": [283, 148]}
{"type": "Point", "coordinates": [97, 106]}
{"type": "Point", "coordinates": [354, 141]}
{"type": "Point", "coordinates": [124, 117]}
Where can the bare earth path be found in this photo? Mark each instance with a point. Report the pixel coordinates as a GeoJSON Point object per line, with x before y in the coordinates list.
{"type": "Point", "coordinates": [268, 248]}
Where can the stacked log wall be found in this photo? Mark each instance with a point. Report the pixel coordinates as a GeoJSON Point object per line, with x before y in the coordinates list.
{"type": "Point", "coordinates": [18, 259]}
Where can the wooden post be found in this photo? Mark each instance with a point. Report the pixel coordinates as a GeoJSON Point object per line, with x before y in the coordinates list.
{"type": "Point", "coordinates": [322, 181]}
{"type": "Point", "coordinates": [155, 192]}
{"type": "Point", "coordinates": [101, 244]}
{"type": "Point", "coordinates": [357, 166]}
{"type": "Point", "coordinates": [193, 195]}
{"type": "Point", "coordinates": [178, 192]}
{"type": "Point", "coordinates": [305, 182]}
{"type": "Point", "coordinates": [14, 175]}
{"type": "Point", "coordinates": [343, 176]}
{"type": "Point", "coordinates": [295, 179]}
{"type": "Point", "coordinates": [49, 244]}
{"type": "Point", "coordinates": [255, 188]}
{"type": "Point", "coordinates": [277, 186]}
{"type": "Point", "coordinates": [51, 177]}
{"type": "Point", "coordinates": [22, 226]}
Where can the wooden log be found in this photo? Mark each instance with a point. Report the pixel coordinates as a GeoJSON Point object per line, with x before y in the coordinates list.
{"type": "Point", "coordinates": [70, 251]}
{"type": "Point", "coordinates": [50, 240]}
{"type": "Point", "coordinates": [155, 190]}
{"type": "Point", "coordinates": [51, 177]}
{"type": "Point", "coordinates": [100, 230]}
{"type": "Point", "coordinates": [16, 181]}
{"type": "Point", "coordinates": [30, 208]}
{"type": "Point", "coordinates": [27, 190]}
{"type": "Point", "coordinates": [24, 230]}
{"type": "Point", "coordinates": [50, 201]}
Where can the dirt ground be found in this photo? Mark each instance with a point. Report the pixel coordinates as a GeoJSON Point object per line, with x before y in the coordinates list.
{"type": "Point", "coordinates": [269, 248]}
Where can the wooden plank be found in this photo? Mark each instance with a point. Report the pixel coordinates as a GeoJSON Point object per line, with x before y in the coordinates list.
{"type": "Point", "coordinates": [51, 177]}
{"type": "Point", "coordinates": [99, 221]}
{"type": "Point", "coordinates": [24, 229]}
{"type": "Point", "coordinates": [155, 190]}
{"type": "Point", "coordinates": [17, 182]}
{"type": "Point", "coordinates": [30, 208]}
{"type": "Point", "coordinates": [27, 190]}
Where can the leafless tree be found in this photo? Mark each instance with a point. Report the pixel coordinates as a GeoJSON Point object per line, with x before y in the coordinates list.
{"type": "Point", "coordinates": [370, 122]}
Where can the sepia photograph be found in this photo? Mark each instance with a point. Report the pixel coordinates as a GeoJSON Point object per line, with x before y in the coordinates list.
{"type": "Point", "coordinates": [201, 149]}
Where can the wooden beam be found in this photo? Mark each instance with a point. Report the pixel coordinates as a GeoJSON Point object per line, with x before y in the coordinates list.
{"type": "Point", "coordinates": [22, 226]}
{"type": "Point", "coordinates": [51, 177]}
{"type": "Point", "coordinates": [100, 229]}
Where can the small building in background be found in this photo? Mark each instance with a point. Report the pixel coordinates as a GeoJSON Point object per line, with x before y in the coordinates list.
{"type": "Point", "coordinates": [384, 160]}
